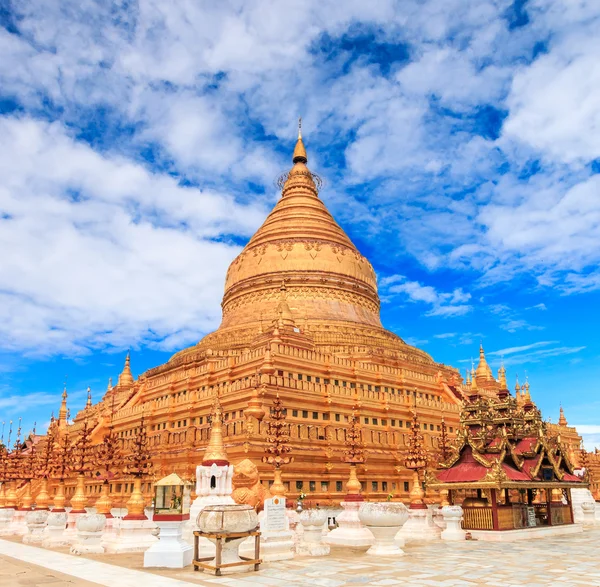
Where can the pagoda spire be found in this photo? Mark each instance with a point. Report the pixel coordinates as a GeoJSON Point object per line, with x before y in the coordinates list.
{"type": "Point", "coordinates": [562, 421]}
{"type": "Point", "coordinates": [299, 150]}
{"type": "Point", "coordinates": [89, 398]}
{"type": "Point", "coordinates": [126, 378]}
{"type": "Point", "coordinates": [502, 377]}
{"type": "Point", "coordinates": [215, 451]}
{"type": "Point", "coordinates": [483, 369]}
{"type": "Point", "coordinates": [63, 412]}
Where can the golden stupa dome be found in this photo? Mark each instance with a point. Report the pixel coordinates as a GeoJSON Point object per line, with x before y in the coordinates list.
{"type": "Point", "coordinates": [300, 245]}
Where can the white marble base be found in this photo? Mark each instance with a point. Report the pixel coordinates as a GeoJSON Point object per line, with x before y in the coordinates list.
{"type": "Point", "coordinates": [453, 515]}
{"type": "Point", "coordinates": [18, 524]}
{"type": "Point", "coordinates": [274, 546]}
{"type": "Point", "coordinates": [36, 524]}
{"type": "Point", "coordinates": [418, 528]}
{"type": "Point", "coordinates": [525, 533]}
{"type": "Point", "coordinates": [87, 543]}
{"type": "Point", "coordinates": [579, 496]}
{"type": "Point", "coordinates": [55, 529]}
{"type": "Point", "coordinates": [229, 554]}
{"type": "Point", "coordinates": [171, 550]}
{"type": "Point", "coordinates": [70, 533]}
{"type": "Point", "coordinates": [130, 536]}
{"type": "Point", "coordinates": [310, 542]}
{"type": "Point", "coordinates": [385, 543]}
{"type": "Point", "coordinates": [6, 516]}
{"type": "Point", "coordinates": [350, 532]}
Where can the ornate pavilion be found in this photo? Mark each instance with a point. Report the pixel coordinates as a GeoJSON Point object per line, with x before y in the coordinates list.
{"type": "Point", "coordinates": [300, 319]}
{"type": "Point", "coordinates": [505, 469]}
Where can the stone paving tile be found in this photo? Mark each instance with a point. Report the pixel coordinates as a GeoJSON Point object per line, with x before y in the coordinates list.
{"type": "Point", "coordinates": [568, 561]}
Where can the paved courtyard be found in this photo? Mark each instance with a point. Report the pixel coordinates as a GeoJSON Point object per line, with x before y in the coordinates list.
{"type": "Point", "coordinates": [566, 561]}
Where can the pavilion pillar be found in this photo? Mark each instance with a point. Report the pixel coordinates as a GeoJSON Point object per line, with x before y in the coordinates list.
{"type": "Point", "coordinates": [549, 505]}
{"type": "Point", "coordinates": [494, 509]}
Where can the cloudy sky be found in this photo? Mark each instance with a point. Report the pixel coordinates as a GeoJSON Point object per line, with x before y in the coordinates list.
{"type": "Point", "coordinates": [459, 142]}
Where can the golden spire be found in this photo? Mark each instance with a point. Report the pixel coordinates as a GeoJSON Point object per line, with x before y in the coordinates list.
{"type": "Point", "coordinates": [62, 413]}
{"type": "Point", "coordinates": [89, 398]}
{"type": "Point", "coordinates": [299, 150]}
{"type": "Point", "coordinates": [562, 421]}
{"type": "Point", "coordinates": [215, 451]}
{"type": "Point", "coordinates": [502, 377]}
{"type": "Point", "coordinates": [126, 378]}
{"type": "Point", "coordinates": [483, 369]}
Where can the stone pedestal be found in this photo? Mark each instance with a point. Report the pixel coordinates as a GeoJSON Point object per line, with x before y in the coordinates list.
{"type": "Point", "coordinates": [276, 539]}
{"type": "Point", "coordinates": [588, 509]}
{"type": "Point", "coordinates": [419, 527]}
{"type": "Point", "coordinates": [55, 529]}
{"type": "Point", "coordinates": [578, 497]}
{"type": "Point", "coordinates": [70, 533]}
{"type": "Point", "coordinates": [453, 515]}
{"type": "Point", "coordinates": [130, 536]}
{"type": "Point", "coordinates": [18, 524]}
{"type": "Point", "coordinates": [90, 528]}
{"type": "Point", "coordinates": [383, 519]}
{"type": "Point", "coordinates": [350, 532]}
{"type": "Point", "coordinates": [36, 524]}
{"type": "Point", "coordinates": [6, 516]}
{"type": "Point", "coordinates": [311, 543]}
{"type": "Point", "coordinates": [229, 518]}
{"type": "Point", "coordinates": [171, 550]}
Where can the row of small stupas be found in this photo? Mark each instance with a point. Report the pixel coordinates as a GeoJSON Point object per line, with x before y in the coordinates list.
{"type": "Point", "coordinates": [301, 320]}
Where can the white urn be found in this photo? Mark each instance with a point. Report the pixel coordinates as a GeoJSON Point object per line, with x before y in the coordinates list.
{"type": "Point", "coordinates": [453, 515]}
{"type": "Point", "coordinates": [311, 544]}
{"type": "Point", "coordinates": [383, 519]}
{"type": "Point", "coordinates": [228, 518]}
{"type": "Point", "coordinates": [91, 523]}
{"type": "Point", "coordinates": [36, 522]}
{"type": "Point", "coordinates": [57, 520]}
{"type": "Point", "coordinates": [589, 513]}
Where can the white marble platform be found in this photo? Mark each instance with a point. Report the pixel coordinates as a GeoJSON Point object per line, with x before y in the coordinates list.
{"type": "Point", "coordinates": [526, 533]}
{"type": "Point", "coordinates": [84, 568]}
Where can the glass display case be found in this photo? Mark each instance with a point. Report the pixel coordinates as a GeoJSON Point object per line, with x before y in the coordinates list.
{"type": "Point", "coordinates": [172, 496]}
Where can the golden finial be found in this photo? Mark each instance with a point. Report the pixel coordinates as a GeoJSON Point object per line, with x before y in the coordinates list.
{"type": "Point", "coordinates": [89, 398]}
{"type": "Point", "coordinates": [62, 412]}
{"type": "Point", "coordinates": [502, 376]}
{"type": "Point", "coordinates": [215, 451]}
{"type": "Point", "coordinates": [126, 378]}
{"type": "Point", "coordinates": [299, 151]}
{"type": "Point", "coordinates": [562, 421]}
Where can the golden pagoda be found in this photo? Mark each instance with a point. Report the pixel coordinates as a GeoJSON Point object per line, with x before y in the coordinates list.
{"type": "Point", "coordinates": [300, 318]}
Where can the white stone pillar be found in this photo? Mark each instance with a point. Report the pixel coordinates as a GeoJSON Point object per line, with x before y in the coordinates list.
{"type": "Point", "coordinates": [36, 523]}
{"type": "Point", "coordinates": [171, 550]}
{"type": "Point", "coordinates": [55, 528]}
{"type": "Point", "coordinates": [6, 516]}
{"type": "Point", "coordinates": [90, 528]}
{"type": "Point", "coordinates": [453, 515]}
{"type": "Point", "coordinates": [350, 531]}
{"type": "Point", "coordinates": [312, 544]}
{"type": "Point", "coordinates": [419, 527]}
{"type": "Point", "coordinates": [18, 524]}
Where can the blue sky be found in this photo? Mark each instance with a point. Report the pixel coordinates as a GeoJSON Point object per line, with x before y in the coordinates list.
{"type": "Point", "coordinates": [459, 142]}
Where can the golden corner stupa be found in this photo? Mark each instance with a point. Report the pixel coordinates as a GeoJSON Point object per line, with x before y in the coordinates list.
{"type": "Point", "coordinates": [300, 321]}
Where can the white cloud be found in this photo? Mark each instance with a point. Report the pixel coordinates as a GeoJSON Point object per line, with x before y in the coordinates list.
{"type": "Point", "coordinates": [120, 254]}
{"type": "Point", "coordinates": [441, 304]}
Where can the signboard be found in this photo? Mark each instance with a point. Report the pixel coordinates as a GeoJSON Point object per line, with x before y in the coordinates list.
{"type": "Point", "coordinates": [274, 519]}
{"type": "Point", "coordinates": [531, 517]}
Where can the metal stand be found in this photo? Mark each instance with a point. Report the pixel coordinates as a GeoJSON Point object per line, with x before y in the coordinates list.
{"type": "Point", "coordinates": [219, 537]}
